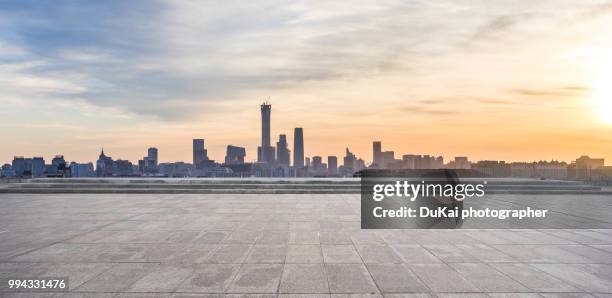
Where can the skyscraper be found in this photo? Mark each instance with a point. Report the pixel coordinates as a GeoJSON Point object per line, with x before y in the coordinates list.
{"type": "Point", "coordinates": [376, 153]}
{"type": "Point", "coordinates": [298, 148]}
{"type": "Point", "coordinates": [104, 165]}
{"type": "Point", "coordinates": [265, 153]}
{"type": "Point", "coordinates": [317, 163]}
{"type": "Point", "coordinates": [282, 150]}
{"type": "Point", "coordinates": [266, 111]}
{"type": "Point", "coordinates": [199, 153]}
{"type": "Point", "coordinates": [152, 155]}
{"type": "Point", "coordinates": [332, 165]}
{"type": "Point", "coordinates": [234, 155]}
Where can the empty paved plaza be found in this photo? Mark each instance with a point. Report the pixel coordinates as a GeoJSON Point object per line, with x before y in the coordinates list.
{"type": "Point", "coordinates": [307, 245]}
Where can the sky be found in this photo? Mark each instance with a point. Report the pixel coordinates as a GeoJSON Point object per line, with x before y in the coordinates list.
{"type": "Point", "coordinates": [496, 80]}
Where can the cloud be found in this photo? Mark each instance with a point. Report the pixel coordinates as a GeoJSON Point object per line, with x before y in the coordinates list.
{"type": "Point", "coordinates": [551, 92]}
{"type": "Point", "coordinates": [173, 60]}
{"type": "Point", "coordinates": [500, 24]}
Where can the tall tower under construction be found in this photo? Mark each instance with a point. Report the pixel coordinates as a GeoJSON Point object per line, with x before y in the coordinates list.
{"type": "Point", "coordinates": [265, 153]}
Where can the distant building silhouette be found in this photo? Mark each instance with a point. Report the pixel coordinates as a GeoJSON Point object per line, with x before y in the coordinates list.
{"type": "Point", "coordinates": [265, 153]}
{"type": "Point", "coordinates": [411, 161]}
{"type": "Point", "coordinates": [298, 148]}
{"type": "Point", "coordinates": [104, 165]}
{"type": "Point", "coordinates": [7, 171]}
{"type": "Point", "coordinates": [57, 168]}
{"type": "Point", "coordinates": [493, 168]}
{"type": "Point", "coordinates": [376, 153]}
{"type": "Point", "coordinates": [380, 159]}
{"type": "Point", "coordinates": [350, 162]}
{"type": "Point", "coordinates": [584, 167]}
{"type": "Point", "coordinates": [148, 165]}
{"type": "Point", "coordinates": [28, 167]}
{"type": "Point", "coordinates": [82, 170]}
{"type": "Point", "coordinates": [460, 162]}
{"type": "Point", "coordinates": [332, 166]}
{"type": "Point", "coordinates": [282, 150]}
{"type": "Point", "coordinates": [125, 168]}
{"type": "Point", "coordinates": [200, 154]}
{"type": "Point", "coordinates": [152, 154]}
{"type": "Point", "coordinates": [234, 155]}
{"type": "Point", "coordinates": [541, 169]}
{"type": "Point", "coordinates": [317, 163]}
{"type": "Point", "coordinates": [175, 169]}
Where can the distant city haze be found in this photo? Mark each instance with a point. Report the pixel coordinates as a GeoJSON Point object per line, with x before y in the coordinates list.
{"type": "Point", "coordinates": [514, 81]}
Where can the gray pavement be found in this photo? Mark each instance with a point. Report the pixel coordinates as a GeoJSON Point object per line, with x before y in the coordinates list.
{"type": "Point", "coordinates": [193, 245]}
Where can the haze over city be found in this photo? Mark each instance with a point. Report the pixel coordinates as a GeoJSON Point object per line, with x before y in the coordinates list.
{"type": "Point", "coordinates": [506, 81]}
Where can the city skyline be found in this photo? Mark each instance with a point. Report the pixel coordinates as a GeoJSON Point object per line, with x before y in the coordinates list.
{"type": "Point", "coordinates": [379, 158]}
{"type": "Point", "coordinates": [499, 81]}
{"type": "Point", "coordinates": [276, 162]}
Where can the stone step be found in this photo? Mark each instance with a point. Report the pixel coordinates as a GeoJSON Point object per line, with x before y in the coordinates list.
{"type": "Point", "coordinates": [269, 186]}
{"type": "Point", "coordinates": [260, 191]}
{"type": "Point", "coordinates": [276, 181]}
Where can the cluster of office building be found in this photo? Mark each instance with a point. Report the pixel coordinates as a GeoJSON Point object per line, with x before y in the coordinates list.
{"type": "Point", "coordinates": [276, 161]}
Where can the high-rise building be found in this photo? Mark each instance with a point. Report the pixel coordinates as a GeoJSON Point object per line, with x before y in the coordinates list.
{"type": "Point", "coordinates": [125, 168]}
{"type": "Point", "coordinates": [265, 153]}
{"type": "Point", "coordinates": [381, 159]}
{"type": "Point", "coordinates": [332, 166]}
{"type": "Point", "coordinates": [19, 165]}
{"type": "Point", "coordinates": [266, 111]}
{"type": "Point", "coordinates": [38, 166]}
{"type": "Point", "coordinates": [199, 153]}
{"type": "Point", "coordinates": [147, 165]}
{"type": "Point", "coordinates": [152, 154]}
{"type": "Point", "coordinates": [376, 153]}
{"type": "Point", "coordinates": [584, 167]}
{"type": "Point", "coordinates": [282, 150]}
{"type": "Point", "coordinates": [350, 164]}
{"type": "Point", "coordinates": [298, 147]}
{"type": "Point", "coordinates": [80, 170]}
{"type": "Point", "coordinates": [234, 155]}
{"type": "Point", "coordinates": [104, 165]}
{"type": "Point", "coordinates": [57, 168]}
{"type": "Point", "coordinates": [28, 167]}
{"type": "Point", "coordinates": [317, 163]}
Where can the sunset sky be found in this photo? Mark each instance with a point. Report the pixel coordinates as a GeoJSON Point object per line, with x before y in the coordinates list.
{"type": "Point", "coordinates": [501, 80]}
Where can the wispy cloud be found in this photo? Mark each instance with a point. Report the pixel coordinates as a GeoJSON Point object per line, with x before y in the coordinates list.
{"type": "Point", "coordinates": [157, 63]}
{"type": "Point", "coordinates": [140, 57]}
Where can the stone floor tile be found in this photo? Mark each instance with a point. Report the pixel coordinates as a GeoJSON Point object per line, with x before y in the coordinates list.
{"type": "Point", "coordinates": [487, 279]}
{"type": "Point", "coordinates": [534, 279]}
{"type": "Point", "coordinates": [163, 278]}
{"type": "Point", "coordinates": [210, 278]}
{"type": "Point", "coordinates": [340, 254]}
{"type": "Point", "coordinates": [396, 278]}
{"type": "Point", "coordinates": [118, 278]}
{"type": "Point", "coordinates": [450, 253]}
{"type": "Point", "coordinates": [228, 254]}
{"type": "Point", "coordinates": [577, 276]}
{"type": "Point", "coordinates": [378, 254]}
{"type": "Point", "coordinates": [414, 254]}
{"type": "Point", "coordinates": [304, 237]}
{"type": "Point", "coordinates": [304, 254]}
{"type": "Point", "coordinates": [267, 254]}
{"type": "Point", "coordinates": [334, 237]}
{"type": "Point", "coordinates": [442, 278]}
{"type": "Point", "coordinates": [304, 278]}
{"type": "Point", "coordinates": [257, 278]}
{"type": "Point", "coordinates": [349, 278]}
